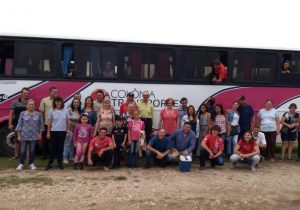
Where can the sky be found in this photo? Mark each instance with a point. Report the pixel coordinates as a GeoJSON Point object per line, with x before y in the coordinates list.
{"type": "Point", "coordinates": [229, 23]}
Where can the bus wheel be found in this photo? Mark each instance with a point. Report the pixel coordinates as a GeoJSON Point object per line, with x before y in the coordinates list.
{"type": "Point", "coordinates": [7, 141]}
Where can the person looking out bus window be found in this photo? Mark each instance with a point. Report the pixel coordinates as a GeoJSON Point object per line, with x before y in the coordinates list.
{"type": "Point", "coordinates": [286, 67]}
{"type": "Point", "coordinates": [182, 109]}
{"type": "Point", "coordinates": [71, 70]}
{"type": "Point", "coordinates": [219, 72]}
{"type": "Point", "coordinates": [169, 117]}
{"type": "Point", "coordinates": [45, 106]}
{"type": "Point", "coordinates": [268, 119]}
{"type": "Point", "coordinates": [16, 108]}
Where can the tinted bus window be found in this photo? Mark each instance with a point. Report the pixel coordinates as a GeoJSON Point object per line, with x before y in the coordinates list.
{"type": "Point", "coordinates": [148, 63]}
{"type": "Point", "coordinates": [266, 65]}
{"type": "Point", "coordinates": [34, 58]}
{"type": "Point", "coordinates": [6, 57]}
{"type": "Point", "coordinates": [192, 62]}
{"type": "Point", "coordinates": [296, 64]}
{"type": "Point", "coordinates": [213, 69]}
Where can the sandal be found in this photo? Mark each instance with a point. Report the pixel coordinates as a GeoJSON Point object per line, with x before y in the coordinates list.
{"type": "Point", "coordinates": [14, 158]}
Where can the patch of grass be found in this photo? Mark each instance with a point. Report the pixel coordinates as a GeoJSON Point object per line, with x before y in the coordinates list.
{"type": "Point", "coordinates": [120, 178]}
{"type": "Point", "coordinates": [12, 181]}
{"type": "Point", "coordinates": [7, 163]}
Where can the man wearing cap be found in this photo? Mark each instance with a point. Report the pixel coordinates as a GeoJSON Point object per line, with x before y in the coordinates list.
{"type": "Point", "coordinates": [146, 110]}
{"type": "Point", "coordinates": [219, 72]}
{"type": "Point", "coordinates": [182, 110]}
{"type": "Point", "coordinates": [124, 105]}
{"type": "Point", "coordinates": [246, 116]}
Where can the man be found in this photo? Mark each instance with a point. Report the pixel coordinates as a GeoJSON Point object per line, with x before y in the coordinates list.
{"type": "Point", "coordinates": [159, 148]}
{"type": "Point", "coordinates": [213, 148]}
{"type": "Point", "coordinates": [45, 106]}
{"type": "Point", "coordinates": [98, 103]}
{"type": "Point", "coordinates": [146, 110]}
{"type": "Point", "coordinates": [219, 72]}
{"type": "Point", "coordinates": [77, 95]}
{"type": "Point", "coordinates": [124, 105]}
{"type": "Point", "coordinates": [260, 141]}
{"type": "Point", "coordinates": [101, 150]}
{"type": "Point", "coordinates": [182, 110]}
{"type": "Point", "coordinates": [16, 108]}
{"type": "Point", "coordinates": [184, 141]}
{"type": "Point", "coordinates": [246, 116]}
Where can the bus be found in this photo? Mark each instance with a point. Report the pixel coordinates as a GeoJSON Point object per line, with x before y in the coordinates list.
{"type": "Point", "coordinates": [165, 70]}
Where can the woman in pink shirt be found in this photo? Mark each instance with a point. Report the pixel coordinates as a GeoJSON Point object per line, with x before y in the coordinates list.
{"type": "Point", "coordinates": [169, 117]}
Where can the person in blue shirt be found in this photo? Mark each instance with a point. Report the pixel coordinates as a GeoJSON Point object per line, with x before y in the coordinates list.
{"type": "Point", "coordinates": [246, 116]}
{"type": "Point", "coordinates": [159, 148]}
{"type": "Point", "coordinates": [184, 141]}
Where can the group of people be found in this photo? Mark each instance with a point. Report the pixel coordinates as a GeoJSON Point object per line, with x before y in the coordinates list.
{"type": "Point", "coordinates": [92, 133]}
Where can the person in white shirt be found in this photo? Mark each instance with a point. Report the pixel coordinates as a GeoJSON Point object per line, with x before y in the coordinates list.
{"type": "Point", "coordinates": [260, 140]}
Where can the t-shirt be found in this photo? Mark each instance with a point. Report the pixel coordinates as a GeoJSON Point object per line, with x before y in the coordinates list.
{"type": "Point", "coordinates": [45, 106]}
{"type": "Point", "coordinates": [97, 106]}
{"type": "Point", "coordinates": [260, 138]}
{"type": "Point", "coordinates": [161, 145]}
{"type": "Point", "coordinates": [119, 132]}
{"type": "Point", "coordinates": [246, 147]}
{"type": "Point", "coordinates": [214, 144]}
{"type": "Point", "coordinates": [59, 119]}
{"type": "Point", "coordinates": [268, 120]}
{"type": "Point", "coordinates": [246, 114]}
{"type": "Point", "coordinates": [83, 133]}
{"type": "Point", "coordinates": [97, 145]}
{"type": "Point", "coordinates": [17, 106]}
{"type": "Point", "coordinates": [169, 120]}
{"type": "Point", "coordinates": [135, 127]}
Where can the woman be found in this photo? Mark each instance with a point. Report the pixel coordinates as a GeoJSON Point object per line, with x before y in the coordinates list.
{"type": "Point", "coordinates": [105, 118]}
{"type": "Point", "coordinates": [268, 119]}
{"type": "Point", "coordinates": [220, 120]}
{"type": "Point", "coordinates": [289, 120]}
{"type": "Point", "coordinates": [57, 130]}
{"type": "Point", "coordinates": [169, 117]}
{"type": "Point", "coordinates": [74, 112]}
{"type": "Point", "coordinates": [233, 131]}
{"type": "Point", "coordinates": [246, 151]}
{"type": "Point", "coordinates": [29, 129]}
{"type": "Point", "coordinates": [128, 115]}
{"type": "Point", "coordinates": [286, 67]}
{"type": "Point", "coordinates": [204, 117]}
{"type": "Point", "coordinates": [89, 109]}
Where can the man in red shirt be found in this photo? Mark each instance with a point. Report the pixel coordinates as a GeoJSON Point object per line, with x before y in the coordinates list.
{"type": "Point", "coordinates": [101, 150]}
{"type": "Point", "coordinates": [124, 105]}
{"type": "Point", "coordinates": [219, 72]}
{"type": "Point", "coordinates": [213, 147]}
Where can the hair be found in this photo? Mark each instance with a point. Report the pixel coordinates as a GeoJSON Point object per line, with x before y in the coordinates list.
{"type": "Point", "coordinates": [268, 100]}
{"type": "Point", "coordinates": [72, 106]}
{"type": "Point", "coordinates": [293, 105]}
{"type": "Point", "coordinates": [193, 115]}
{"type": "Point", "coordinates": [57, 99]}
{"type": "Point", "coordinates": [84, 115]}
{"type": "Point", "coordinates": [100, 91]}
{"type": "Point", "coordinates": [286, 60]}
{"type": "Point", "coordinates": [252, 138]}
{"type": "Point", "coordinates": [102, 129]}
{"type": "Point", "coordinates": [52, 88]}
{"type": "Point", "coordinates": [256, 126]}
{"type": "Point", "coordinates": [183, 99]}
{"type": "Point", "coordinates": [199, 110]}
{"type": "Point", "coordinates": [170, 99]}
{"type": "Point", "coordinates": [30, 100]}
{"type": "Point", "coordinates": [77, 93]}
{"type": "Point", "coordinates": [222, 110]}
{"type": "Point", "coordinates": [216, 128]}
{"type": "Point", "coordinates": [25, 88]}
{"type": "Point", "coordinates": [136, 112]}
{"type": "Point", "coordinates": [89, 97]}
{"type": "Point", "coordinates": [187, 123]}
{"type": "Point", "coordinates": [211, 101]}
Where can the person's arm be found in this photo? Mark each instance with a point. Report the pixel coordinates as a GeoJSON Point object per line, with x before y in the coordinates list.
{"type": "Point", "coordinates": [41, 125]}
{"type": "Point", "coordinates": [203, 144]}
{"type": "Point", "coordinates": [218, 154]}
{"type": "Point", "coordinates": [192, 144]}
{"type": "Point", "coordinates": [177, 119]}
{"type": "Point", "coordinates": [124, 141]}
{"type": "Point", "coordinates": [75, 136]}
{"type": "Point", "coordinates": [237, 150]}
{"type": "Point", "coordinates": [10, 119]}
{"type": "Point", "coordinates": [160, 120]}
{"type": "Point", "coordinates": [278, 123]}
{"type": "Point", "coordinates": [255, 152]}
{"type": "Point", "coordinates": [110, 147]}
{"type": "Point", "coordinates": [114, 142]}
{"type": "Point", "coordinates": [150, 148]}
{"type": "Point", "coordinates": [89, 155]}
{"type": "Point", "coordinates": [197, 128]}
{"type": "Point", "coordinates": [96, 126]}
{"type": "Point", "coordinates": [227, 126]}
{"type": "Point", "coordinates": [42, 110]}
{"type": "Point", "coordinates": [208, 122]}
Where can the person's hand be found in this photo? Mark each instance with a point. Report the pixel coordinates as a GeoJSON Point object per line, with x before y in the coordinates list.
{"type": "Point", "coordinates": [48, 136]}
{"type": "Point", "coordinates": [185, 153]}
{"type": "Point", "coordinates": [100, 153]}
{"type": "Point", "coordinates": [68, 133]}
{"type": "Point", "coordinates": [211, 155]}
{"type": "Point", "coordinates": [278, 132]}
{"type": "Point", "coordinates": [90, 162]}
{"type": "Point", "coordinates": [129, 142]}
{"type": "Point", "coordinates": [19, 138]}
{"type": "Point", "coordinates": [160, 155]}
{"type": "Point", "coordinates": [10, 127]}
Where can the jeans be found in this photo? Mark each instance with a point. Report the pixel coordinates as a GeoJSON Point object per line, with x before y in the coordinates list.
{"type": "Point", "coordinates": [69, 148]}
{"type": "Point", "coordinates": [251, 161]}
{"type": "Point", "coordinates": [133, 154]}
{"type": "Point", "coordinates": [57, 140]}
{"type": "Point", "coordinates": [231, 143]}
{"type": "Point", "coordinates": [31, 151]}
{"type": "Point", "coordinates": [271, 143]}
{"type": "Point", "coordinates": [219, 161]}
{"type": "Point", "coordinates": [151, 155]}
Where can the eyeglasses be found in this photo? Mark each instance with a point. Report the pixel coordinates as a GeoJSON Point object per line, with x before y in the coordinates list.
{"type": "Point", "coordinates": [145, 95]}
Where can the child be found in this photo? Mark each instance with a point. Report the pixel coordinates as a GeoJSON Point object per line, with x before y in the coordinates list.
{"type": "Point", "coordinates": [134, 128]}
{"type": "Point", "coordinates": [83, 133]}
{"type": "Point", "coordinates": [142, 143]}
{"type": "Point", "coordinates": [119, 136]}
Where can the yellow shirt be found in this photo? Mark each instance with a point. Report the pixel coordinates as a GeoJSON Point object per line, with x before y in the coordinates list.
{"type": "Point", "coordinates": [45, 106]}
{"type": "Point", "coordinates": [146, 109]}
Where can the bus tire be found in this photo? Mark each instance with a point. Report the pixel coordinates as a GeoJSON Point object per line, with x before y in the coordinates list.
{"type": "Point", "coordinates": [7, 141]}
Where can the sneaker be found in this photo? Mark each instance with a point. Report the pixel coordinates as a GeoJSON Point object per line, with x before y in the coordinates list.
{"type": "Point", "coordinates": [32, 167]}
{"type": "Point", "coordinates": [272, 159]}
{"type": "Point", "coordinates": [75, 166]}
{"type": "Point", "coordinates": [20, 167]}
{"type": "Point", "coordinates": [48, 167]}
{"type": "Point", "coordinates": [66, 162]}
{"type": "Point", "coordinates": [106, 169]}
{"type": "Point", "coordinates": [253, 168]}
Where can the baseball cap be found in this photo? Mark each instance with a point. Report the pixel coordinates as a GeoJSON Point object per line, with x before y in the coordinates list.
{"type": "Point", "coordinates": [130, 94]}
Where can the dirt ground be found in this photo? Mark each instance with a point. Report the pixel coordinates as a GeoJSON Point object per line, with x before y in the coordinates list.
{"type": "Point", "coordinates": [272, 186]}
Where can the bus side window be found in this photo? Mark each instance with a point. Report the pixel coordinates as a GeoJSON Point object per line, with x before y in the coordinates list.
{"type": "Point", "coordinates": [215, 66]}
{"type": "Point", "coordinates": [6, 57]}
{"type": "Point", "coordinates": [68, 69]}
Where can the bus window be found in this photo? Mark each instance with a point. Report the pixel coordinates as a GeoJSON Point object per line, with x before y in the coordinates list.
{"type": "Point", "coordinates": [215, 69]}
{"type": "Point", "coordinates": [243, 66]}
{"type": "Point", "coordinates": [68, 67]}
{"type": "Point", "coordinates": [6, 57]}
{"type": "Point", "coordinates": [296, 64]}
{"type": "Point", "coordinates": [286, 64]}
{"type": "Point", "coordinates": [266, 64]}
{"type": "Point", "coordinates": [33, 58]}
{"type": "Point", "coordinates": [148, 63]}
{"type": "Point", "coordinates": [109, 62]}
{"type": "Point", "coordinates": [192, 62]}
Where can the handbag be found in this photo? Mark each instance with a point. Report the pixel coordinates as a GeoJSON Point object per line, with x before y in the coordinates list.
{"type": "Point", "coordinates": [284, 129]}
{"type": "Point", "coordinates": [234, 130]}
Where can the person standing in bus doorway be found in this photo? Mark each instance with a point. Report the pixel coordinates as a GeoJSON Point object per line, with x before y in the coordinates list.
{"type": "Point", "coordinates": [146, 110]}
{"type": "Point", "coordinates": [98, 103]}
{"type": "Point", "coordinates": [57, 129]}
{"type": "Point", "coordinates": [45, 106]}
{"type": "Point", "coordinates": [246, 121]}
{"type": "Point", "coordinates": [16, 108]}
{"type": "Point", "coordinates": [182, 110]}
{"type": "Point", "coordinates": [124, 105]}
{"type": "Point", "coordinates": [219, 72]}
